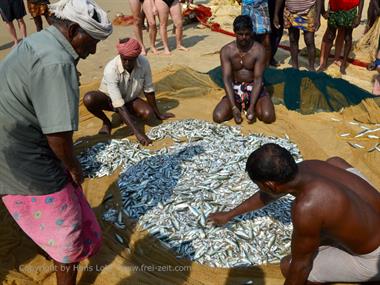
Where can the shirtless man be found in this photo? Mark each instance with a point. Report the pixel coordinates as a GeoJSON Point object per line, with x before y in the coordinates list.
{"type": "Point", "coordinates": [243, 64]}
{"type": "Point", "coordinates": [335, 215]}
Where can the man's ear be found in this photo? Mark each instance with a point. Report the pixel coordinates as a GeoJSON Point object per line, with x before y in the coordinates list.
{"type": "Point", "coordinates": [72, 30]}
{"type": "Point", "coordinates": [271, 185]}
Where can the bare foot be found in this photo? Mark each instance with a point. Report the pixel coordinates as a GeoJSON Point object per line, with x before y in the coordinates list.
{"type": "Point", "coordinates": [105, 129]}
{"type": "Point", "coordinates": [167, 52]}
{"type": "Point", "coordinates": [143, 52]}
{"type": "Point", "coordinates": [181, 47]}
{"type": "Point", "coordinates": [321, 68]}
{"type": "Point", "coordinates": [155, 51]}
{"type": "Point", "coordinates": [338, 62]}
{"type": "Point", "coordinates": [342, 69]}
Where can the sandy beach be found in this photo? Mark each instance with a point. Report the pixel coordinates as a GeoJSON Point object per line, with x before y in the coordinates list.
{"type": "Point", "coordinates": [182, 86]}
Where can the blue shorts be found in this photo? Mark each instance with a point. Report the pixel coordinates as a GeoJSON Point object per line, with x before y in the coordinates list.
{"type": "Point", "coordinates": [259, 14]}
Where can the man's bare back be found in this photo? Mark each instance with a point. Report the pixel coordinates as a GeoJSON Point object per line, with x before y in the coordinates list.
{"type": "Point", "coordinates": [335, 216]}
{"type": "Point", "coordinates": [346, 206]}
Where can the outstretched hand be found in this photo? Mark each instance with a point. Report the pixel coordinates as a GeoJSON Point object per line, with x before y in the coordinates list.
{"type": "Point", "coordinates": [165, 116]}
{"type": "Point", "coordinates": [219, 218]}
{"type": "Point", "coordinates": [143, 139]}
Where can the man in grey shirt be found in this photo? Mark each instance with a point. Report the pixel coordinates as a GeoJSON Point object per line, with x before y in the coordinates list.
{"type": "Point", "coordinates": [39, 103]}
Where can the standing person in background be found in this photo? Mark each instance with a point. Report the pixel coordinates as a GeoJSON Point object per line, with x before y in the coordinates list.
{"type": "Point", "coordinates": [346, 15]}
{"type": "Point", "coordinates": [172, 7]}
{"type": "Point", "coordinates": [38, 8]}
{"type": "Point", "coordinates": [300, 15]}
{"type": "Point", "coordinates": [150, 11]}
{"type": "Point", "coordinates": [276, 33]}
{"type": "Point", "coordinates": [11, 10]}
{"type": "Point", "coordinates": [258, 11]}
{"type": "Point", "coordinates": [372, 14]}
{"type": "Point", "coordinates": [40, 175]}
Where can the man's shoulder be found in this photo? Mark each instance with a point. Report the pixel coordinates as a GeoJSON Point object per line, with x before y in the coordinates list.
{"type": "Point", "coordinates": [143, 61]}
{"type": "Point", "coordinates": [257, 48]}
{"type": "Point", "coordinates": [43, 51]}
{"type": "Point", "coordinates": [228, 48]}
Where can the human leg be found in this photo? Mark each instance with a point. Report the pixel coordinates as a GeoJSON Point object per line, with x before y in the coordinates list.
{"type": "Point", "coordinates": [141, 109]}
{"type": "Point", "coordinates": [176, 14]}
{"type": "Point", "coordinates": [267, 46]}
{"type": "Point", "coordinates": [276, 34]}
{"type": "Point", "coordinates": [12, 31]}
{"type": "Point", "coordinates": [22, 27]}
{"type": "Point", "coordinates": [264, 108]}
{"type": "Point", "coordinates": [310, 44]}
{"type": "Point", "coordinates": [222, 111]}
{"type": "Point", "coordinates": [96, 102]}
{"type": "Point", "coordinates": [135, 6]}
{"type": "Point", "coordinates": [38, 22]}
{"type": "Point", "coordinates": [347, 48]}
{"type": "Point", "coordinates": [66, 274]}
{"type": "Point", "coordinates": [294, 36]}
{"type": "Point", "coordinates": [148, 11]}
{"type": "Point", "coordinates": [327, 43]}
{"type": "Point", "coordinates": [163, 14]}
{"type": "Point", "coordinates": [339, 42]}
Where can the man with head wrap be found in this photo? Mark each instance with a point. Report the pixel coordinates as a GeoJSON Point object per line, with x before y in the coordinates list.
{"type": "Point", "coordinates": [39, 100]}
{"type": "Point", "coordinates": [125, 77]}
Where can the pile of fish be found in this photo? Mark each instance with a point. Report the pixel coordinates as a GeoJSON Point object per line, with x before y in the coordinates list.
{"type": "Point", "coordinates": [172, 191]}
{"type": "Point", "coordinates": [104, 158]}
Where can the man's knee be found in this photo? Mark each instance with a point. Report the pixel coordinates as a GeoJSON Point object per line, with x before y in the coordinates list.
{"type": "Point", "coordinates": [309, 40]}
{"type": "Point", "coordinates": [147, 114]}
{"type": "Point", "coordinates": [285, 264]}
{"type": "Point", "coordinates": [268, 117]}
{"type": "Point", "coordinates": [152, 26]}
{"type": "Point", "coordinates": [218, 117]}
{"type": "Point", "coordinates": [88, 99]}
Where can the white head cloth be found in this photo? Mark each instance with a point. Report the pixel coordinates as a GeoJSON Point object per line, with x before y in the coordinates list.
{"type": "Point", "coordinates": [82, 12]}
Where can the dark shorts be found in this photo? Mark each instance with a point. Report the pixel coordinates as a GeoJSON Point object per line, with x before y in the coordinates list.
{"type": "Point", "coordinates": [12, 9]}
{"type": "Point", "coordinates": [169, 2]}
{"type": "Point", "coordinates": [343, 19]}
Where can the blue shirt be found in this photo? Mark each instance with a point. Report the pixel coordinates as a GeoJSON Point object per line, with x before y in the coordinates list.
{"type": "Point", "coordinates": [39, 95]}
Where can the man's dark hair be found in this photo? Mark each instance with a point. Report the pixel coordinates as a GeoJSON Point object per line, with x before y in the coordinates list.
{"type": "Point", "coordinates": [271, 162]}
{"type": "Point", "coordinates": [242, 22]}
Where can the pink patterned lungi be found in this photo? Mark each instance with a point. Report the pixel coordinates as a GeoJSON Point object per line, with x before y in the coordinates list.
{"type": "Point", "coordinates": [62, 224]}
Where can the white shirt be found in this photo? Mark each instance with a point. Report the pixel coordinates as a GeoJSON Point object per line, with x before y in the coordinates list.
{"type": "Point", "coordinates": [122, 86]}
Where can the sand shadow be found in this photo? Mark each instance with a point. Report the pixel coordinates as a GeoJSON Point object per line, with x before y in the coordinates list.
{"type": "Point", "coordinates": [17, 250]}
